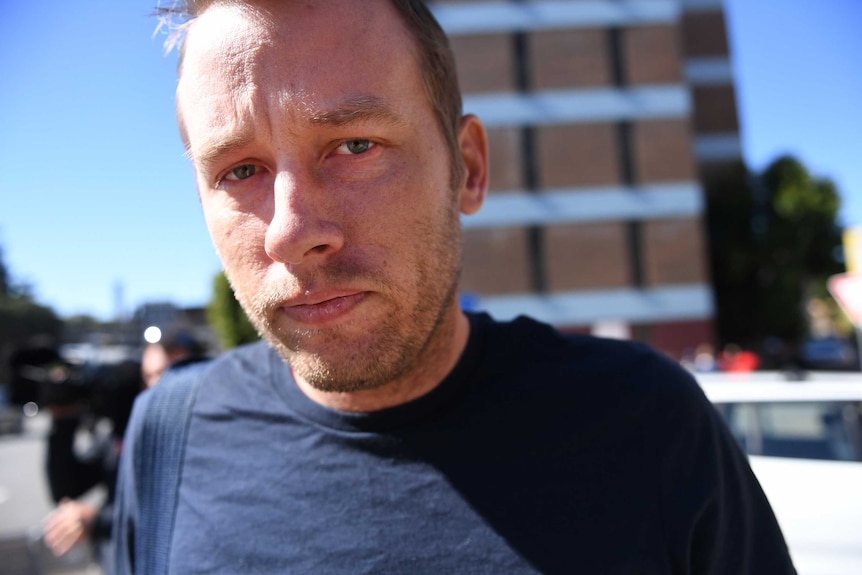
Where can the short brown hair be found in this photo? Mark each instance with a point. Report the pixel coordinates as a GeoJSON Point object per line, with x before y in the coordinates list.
{"type": "Point", "coordinates": [435, 59]}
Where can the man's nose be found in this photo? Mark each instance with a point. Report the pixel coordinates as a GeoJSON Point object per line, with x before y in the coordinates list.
{"type": "Point", "coordinates": [304, 224]}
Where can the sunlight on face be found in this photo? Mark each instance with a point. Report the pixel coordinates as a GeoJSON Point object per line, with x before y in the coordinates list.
{"type": "Point", "coordinates": [326, 189]}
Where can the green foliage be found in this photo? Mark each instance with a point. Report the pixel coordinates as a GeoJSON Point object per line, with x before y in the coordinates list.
{"type": "Point", "coordinates": [227, 318]}
{"type": "Point", "coordinates": [21, 319]}
{"type": "Point", "coordinates": [4, 278]}
{"type": "Point", "coordinates": [84, 323]}
{"type": "Point", "coordinates": [773, 241]}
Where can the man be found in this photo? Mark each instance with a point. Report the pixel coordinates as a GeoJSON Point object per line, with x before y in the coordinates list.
{"type": "Point", "coordinates": [90, 407]}
{"type": "Point", "coordinates": [154, 362]}
{"type": "Point", "coordinates": [379, 429]}
{"type": "Point", "coordinates": [76, 520]}
{"type": "Point", "coordinates": [176, 349]}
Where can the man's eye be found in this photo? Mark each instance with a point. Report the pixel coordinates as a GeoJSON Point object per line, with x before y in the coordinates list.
{"type": "Point", "coordinates": [354, 147]}
{"type": "Point", "coordinates": [241, 172]}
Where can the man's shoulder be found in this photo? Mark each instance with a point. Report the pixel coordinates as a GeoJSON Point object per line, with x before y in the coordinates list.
{"type": "Point", "coordinates": [524, 337]}
{"type": "Point", "coordinates": [579, 382]}
{"type": "Point", "coordinates": [526, 349]}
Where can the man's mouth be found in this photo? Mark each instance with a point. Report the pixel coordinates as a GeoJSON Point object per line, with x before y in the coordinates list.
{"type": "Point", "coordinates": [317, 309]}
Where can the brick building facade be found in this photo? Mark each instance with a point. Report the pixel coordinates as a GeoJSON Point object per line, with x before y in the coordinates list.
{"type": "Point", "coordinates": [606, 121]}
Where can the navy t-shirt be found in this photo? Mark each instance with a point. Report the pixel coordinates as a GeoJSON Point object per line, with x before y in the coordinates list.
{"type": "Point", "coordinates": [538, 454]}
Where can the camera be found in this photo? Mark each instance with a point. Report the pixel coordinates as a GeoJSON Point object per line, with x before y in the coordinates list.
{"type": "Point", "coordinates": [42, 377]}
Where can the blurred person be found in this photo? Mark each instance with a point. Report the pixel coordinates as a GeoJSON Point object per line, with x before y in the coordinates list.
{"type": "Point", "coordinates": [177, 349]}
{"type": "Point", "coordinates": [704, 359]}
{"type": "Point", "coordinates": [734, 359]}
{"type": "Point", "coordinates": [378, 428]}
{"type": "Point", "coordinates": [154, 362]}
{"type": "Point", "coordinates": [74, 471]}
{"type": "Point", "coordinates": [72, 475]}
{"type": "Point", "coordinates": [183, 348]}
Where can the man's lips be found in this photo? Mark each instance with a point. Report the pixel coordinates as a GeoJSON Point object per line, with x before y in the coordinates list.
{"type": "Point", "coordinates": [322, 308]}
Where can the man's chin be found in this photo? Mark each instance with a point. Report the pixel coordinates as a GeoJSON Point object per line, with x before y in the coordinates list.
{"type": "Point", "coordinates": [338, 376]}
{"type": "Point", "coordinates": [356, 371]}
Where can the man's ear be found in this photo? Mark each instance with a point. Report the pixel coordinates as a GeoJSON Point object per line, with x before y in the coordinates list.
{"type": "Point", "coordinates": [474, 152]}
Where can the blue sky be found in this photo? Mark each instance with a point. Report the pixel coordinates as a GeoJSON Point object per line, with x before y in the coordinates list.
{"type": "Point", "coordinates": [97, 194]}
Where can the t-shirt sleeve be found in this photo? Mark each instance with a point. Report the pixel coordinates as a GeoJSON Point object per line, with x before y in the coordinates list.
{"type": "Point", "coordinates": [715, 514]}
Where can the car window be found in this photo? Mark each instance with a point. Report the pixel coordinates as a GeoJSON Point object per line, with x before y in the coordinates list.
{"type": "Point", "coordinates": [830, 430]}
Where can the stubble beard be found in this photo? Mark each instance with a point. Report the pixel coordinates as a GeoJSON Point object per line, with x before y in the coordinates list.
{"type": "Point", "coordinates": [412, 332]}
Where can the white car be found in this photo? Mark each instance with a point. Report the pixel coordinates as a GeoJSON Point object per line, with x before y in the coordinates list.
{"type": "Point", "coordinates": [804, 439]}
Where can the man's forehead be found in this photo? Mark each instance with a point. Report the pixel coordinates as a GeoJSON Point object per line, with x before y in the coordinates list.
{"type": "Point", "coordinates": [233, 38]}
{"type": "Point", "coordinates": [220, 58]}
{"type": "Point", "coordinates": [239, 64]}
{"type": "Point", "coordinates": [225, 34]}
{"type": "Point", "coordinates": [237, 19]}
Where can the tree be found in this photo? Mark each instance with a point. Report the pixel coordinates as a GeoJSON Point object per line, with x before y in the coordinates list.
{"type": "Point", "coordinates": [774, 237]}
{"type": "Point", "coordinates": [226, 316]}
{"type": "Point", "coordinates": [20, 316]}
{"type": "Point", "coordinates": [4, 278]}
{"type": "Point", "coordinates": [21, 319]}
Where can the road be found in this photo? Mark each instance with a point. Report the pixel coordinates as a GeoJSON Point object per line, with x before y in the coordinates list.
{"type": "Point", "coordinates": [24, 502]}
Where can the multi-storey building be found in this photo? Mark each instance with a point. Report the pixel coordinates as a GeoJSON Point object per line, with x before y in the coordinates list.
{"type": "Point", "coordinates": [606, 119]}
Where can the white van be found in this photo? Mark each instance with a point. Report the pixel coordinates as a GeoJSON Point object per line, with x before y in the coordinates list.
{"type": "Point", "coordinates": [804, 439]}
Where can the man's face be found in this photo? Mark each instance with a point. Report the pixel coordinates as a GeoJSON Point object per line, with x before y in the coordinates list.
{"type": "Point", "coordinates": [324, 181]}
{"type": "Point", "coordinates": [154, 362]}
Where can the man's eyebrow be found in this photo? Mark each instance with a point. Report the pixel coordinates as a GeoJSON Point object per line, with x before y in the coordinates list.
{"type": "Point", "coordinates": [208, 153]}
{"type": "Point", "coordinates": [352, 111]}
{"type": "Point", "coordinates": [357, 110]}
